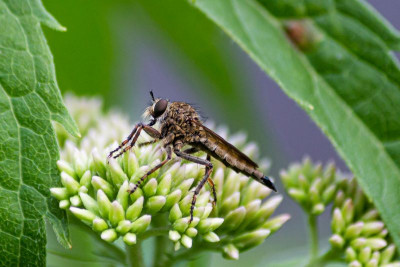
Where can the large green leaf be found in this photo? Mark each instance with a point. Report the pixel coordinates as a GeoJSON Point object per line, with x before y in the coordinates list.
{"type": "Point", "coordinates": [340, 70]}
{"type": "Point", "coordinates": [29, 101]}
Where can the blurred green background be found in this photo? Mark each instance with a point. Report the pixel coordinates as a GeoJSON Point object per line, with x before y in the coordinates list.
{"type": "Point", "coordinates": [122, 49]}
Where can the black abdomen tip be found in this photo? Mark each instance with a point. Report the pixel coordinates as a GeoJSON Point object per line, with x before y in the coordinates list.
{"type": "Point", "coordinates": [268, 183]}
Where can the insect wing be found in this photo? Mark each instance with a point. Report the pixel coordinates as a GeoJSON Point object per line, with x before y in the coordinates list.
{"type": "Point", "coordinates": [220, 142]}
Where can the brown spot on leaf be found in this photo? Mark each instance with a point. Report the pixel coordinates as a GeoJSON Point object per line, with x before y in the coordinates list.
{"type": "Point", "coordinates": [302, 34]}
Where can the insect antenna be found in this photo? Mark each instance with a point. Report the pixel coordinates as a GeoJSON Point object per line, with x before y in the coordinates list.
{"type": "Point", "coordinates": [152, 95]}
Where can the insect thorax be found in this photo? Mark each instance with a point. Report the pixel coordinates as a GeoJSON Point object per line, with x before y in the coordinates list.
{"type": "Point", "coordinates": [178, 120]}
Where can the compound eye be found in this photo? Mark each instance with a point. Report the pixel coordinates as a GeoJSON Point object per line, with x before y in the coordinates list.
{"type": "Point", "coordinates": [160, 108]}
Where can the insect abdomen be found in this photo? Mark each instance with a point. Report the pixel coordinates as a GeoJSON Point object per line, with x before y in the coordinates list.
{"type": "Point", "coordinates": [223, 154]}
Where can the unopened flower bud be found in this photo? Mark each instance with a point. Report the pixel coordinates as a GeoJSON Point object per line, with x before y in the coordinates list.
{"type": "Point", "coordinates": [104, 203]}
{"type": "Point", "coordinates": [370, 215]}
{"type": "Point", "coordinates": [251, 239]}
{"type": "Point", "coordinates": [372, 263]}
{"type": "Point", "coordinates": [276, 223]}
{"type": "Point", "coordinates": [80, 163]}
{"type": "Point", "coordinates": [230, 203]}
{"type": "Point", "coordinates": [177, 246]}
{"type": "Point", "coordinates": [174, 235]}
{"type": "Point", "coordinates": [64, 166]}
{"type": "Point", "coordinates": [64, 204]}
{"type": "Point", "coordinates": [234, 218]}
{"type": "Point", "coordinates": [141, 224]}
{"type": "Point", "coordinates": [209, 224]}
{"type": "Point", "coordinates": [336, 241]}
{"type": "Point", "coordinates": [181, 225]}
{"type": "Point", "coordinates": [150, 188]}
{"type": "Point", "coordinates": [318, 209]}
{"type": "Point", "coordinates": [231, 252]}
{"type": "Point", "coordinates": [376, 243]}
{"type": "Point", "coordinates": [185, 204]}
{"type": "Point", "coordinates": [354, 230]}
{"type": "Point", "coordinates": [124, 226]}
{"type": "Point", "coordinates": [123, 195]}
{"type": "Point", "coordinates": [191, 232]}
{"type": "Point", "coordinates": [351, 254]}
{"type": "Point", "coordinates": [387, 254]}
{"type": "Point", "coordinates": [297, 194]}
{"type": "Point", "coordinates": [372, 228]}
{"type": "Point", "coordinates": [99, 225]}
{"type": "Point", "coordinates": [99, 183]}
{"type": "Point", "coordinates": [154, 204]}
{"type": "Point", "coordinates": [75, 201]}
{"type": "Point", "coordinates": [172, 199]}
{"type": "Point", "coordinates": [134, 210]}
{"type": "Point", "coordinates": [329, 193]}
{"type": "Point", "coordinates": [129, 239]}
{"type": "Point", "coordinates": [109, 235]}
{"type": "Point", "coordinates": [348, 210]}
{"type": "Point", "coordinates": [185, 185]}
{"type": "Point", "coordinates": [133, 164]}
{"type": "Point", "coordinates": [365, 255]}
{"type": "Point", "coordinates": [89, 203]}
{"type": "Point", "coordinates": [186, 241]}
{"type": "Point", "coordinates": [338, 223]}
{"type": "Point", "coordinates": [165, 185]}
{"type": "Point", "coordinates": [69, 183]}
{"type": "Point", "coordinates": [84, 215]}
{"type": "Point", "coordinates": [175, 213]}
{"type": "Point", "coordinates": [86, 179]}
{"type": "Point", "coordinates": [117, 213]}
{"type": "Point", "coordinates": [118, 176]}
{"type": "Point", "coordinates": [211, 237]}
{"type": "Point", "coordinates": [355, 263]}
{"type": "Point", "coordinates": [98, 163]}
{"type": "Point", "coordinates": [358, 242]}
{"type": "Point", "coordinates": [60, 193]}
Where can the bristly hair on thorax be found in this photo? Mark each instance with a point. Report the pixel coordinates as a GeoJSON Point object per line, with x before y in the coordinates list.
{"type": "Point", "coordinates": [147, 112]}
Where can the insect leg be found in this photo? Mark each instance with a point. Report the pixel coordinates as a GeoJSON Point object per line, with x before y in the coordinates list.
{"type": "Point", "coordinates": [209, 168]}
{"type": "Point", "coordinates": [152, 132]}
{"type": "Point", "coordinates": [136, 136]}
{"type": "Point", "coordinates": [191, 150]}
{"type": "Point", "coordinates": [140, 126]}
{"type": "Point", "coordinates": [211, 183]}
{"type": "Point", "coordinates": [126, 140]}
{"type": "Point", "coordinates": [162, 163]}
{"type": "Point", "coordinates": [147, 143]}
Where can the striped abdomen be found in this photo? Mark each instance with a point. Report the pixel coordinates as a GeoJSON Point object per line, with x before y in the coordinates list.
{"type": "Point", "coordinates": [220, 149]}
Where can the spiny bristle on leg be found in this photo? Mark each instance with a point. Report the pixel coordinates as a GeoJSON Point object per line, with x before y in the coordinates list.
{"type": "Point", "coordinates": [268, 182]}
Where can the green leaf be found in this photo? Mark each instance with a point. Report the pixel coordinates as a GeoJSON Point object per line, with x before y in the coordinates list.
{"type": "Point", "coordinates": [29, 101]}
{"type": "Point", "coordinates": [338, 66]}
{"type": "Point", "coordinates": [88, 249]}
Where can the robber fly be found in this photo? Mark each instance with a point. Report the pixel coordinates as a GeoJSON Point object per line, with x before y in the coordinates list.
{"type": "Point", "coordinates": [180, 125]}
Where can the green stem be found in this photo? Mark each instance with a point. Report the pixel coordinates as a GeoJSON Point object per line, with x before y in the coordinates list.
{"type": "Point", "coordinates": [154, 232]}
{"type": "Point", "coordinates": [162, 243]}
{"type": "Point", "coordinates": [313, 226]}
{"type": "Point", "coordinates": [332, 255]}
{"type": "Point", "coordinates": [135, 255]}
{"type": "Point", "coordinates": [193, 252]}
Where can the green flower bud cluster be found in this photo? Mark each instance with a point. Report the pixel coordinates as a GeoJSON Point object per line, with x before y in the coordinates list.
{"type": "Point", "coordinates": [247, 219]}
{"type": "Point", "coordinates": [96, 191]}
{"type": "Point", "coordinates": [312, 186]}
{"type": "Point", "coordinates": [358, 229]}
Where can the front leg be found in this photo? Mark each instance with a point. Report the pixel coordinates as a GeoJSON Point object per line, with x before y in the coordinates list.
{"type": "Point", "coordinates": [209, 168]}
{"type": "Point", "coordinates": [134, 136]}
